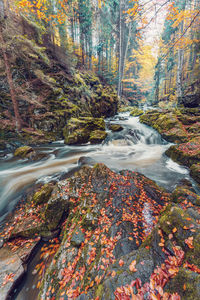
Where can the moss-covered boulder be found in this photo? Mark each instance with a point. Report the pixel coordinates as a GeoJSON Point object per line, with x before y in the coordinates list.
{"type": "Point", "coordinates": [195, 172]}
{"type": "Point", "coordinates": [24, 152]}
{"type": "Point", "coordinates": [82, 130]}
{"type": "Point", "coordinates": [43, 195]}
{"type": "Point", "coordinates": [184, 193]}
{"type": "Point", "coordinates": [167, 124]}
{"type": "Point", "coordinates": [115, 127]}
{"type": "Point", "coordinates": [186, 153]}
{"type": "Point", "coordinates": [97, 136]}
{"type": "Point", "coordinates": [136, 112]}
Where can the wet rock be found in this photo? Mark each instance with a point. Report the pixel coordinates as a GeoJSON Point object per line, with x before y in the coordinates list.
{"type": "Point", "coordinates": [97, 136]}
{"type": "Point", "coordinates": [115, 127]}
{"type": "Point", "coordinates": [43, 195]}
{"type": "Point", "coordinates": [82, 130]}
{"type": "Point", "coordinates": [24, 152]}
{"type": "Point", "coordinates": [13, 258]}
{"type": "Point", "coordinates": [182, 193]}
{"type": "Point", "coordinates": [85, 160]}
{"type": "Point", "coordinates": [187, 153]}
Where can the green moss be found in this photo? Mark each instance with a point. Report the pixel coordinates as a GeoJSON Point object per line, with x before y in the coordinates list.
{"type": "Point", "coordinates": [97, 136]}
{"type": "Point", "coordinates": [191, 281]}
{"type": "Point", "coordinates": [43, 195]}
{"type": "Point", "coordinates": [23, 151]}
{"type": "Point", "coordinates": [115, 127]}
{"type": "Point", "coordinates": [136, 112]}
{"type": "Point", "coordinates": [195, 172]}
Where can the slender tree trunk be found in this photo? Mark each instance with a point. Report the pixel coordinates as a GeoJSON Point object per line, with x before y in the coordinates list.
{"type": "Point", "coordinates": [120, 50]}
{"type": "Point", "coordinates": [10, 82]}
{"type": "Point", "coordinates": [126, 51]}
{"type": "Point", "coordinates": [179, 71]}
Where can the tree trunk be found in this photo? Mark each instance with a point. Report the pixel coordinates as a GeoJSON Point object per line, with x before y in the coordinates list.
{"type": "Point", "coordinates": [126, 51]}
{"type": "Point", "coordinates": [179, 71]}
{"type": "Point", "coordinates": [10, 82]}
{"type": "Point", "coordinates": [120, 51]}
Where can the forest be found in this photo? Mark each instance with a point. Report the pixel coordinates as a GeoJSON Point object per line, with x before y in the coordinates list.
{"type": "Point", "coordinates": [99, 149]}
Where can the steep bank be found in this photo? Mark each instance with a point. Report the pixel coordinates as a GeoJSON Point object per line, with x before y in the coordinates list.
{"type": "Point", "coordinates": [180, 126]}
{"type": "Point", "coordinates": [48, 86]}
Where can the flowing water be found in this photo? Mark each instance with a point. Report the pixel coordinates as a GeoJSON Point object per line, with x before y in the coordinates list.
{"type": "Point", "coordinates": [138, 148]}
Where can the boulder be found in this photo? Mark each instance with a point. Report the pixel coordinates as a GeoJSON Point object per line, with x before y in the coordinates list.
{"type": "Point", "coordinates": [106, 224]}
{"type": "Point", "coordinates": [81, 130]}
{"type": "Point", "coordinates": [136, 112]}
{"type": "Point", "coordinates": [24, 152]}
{"type": "Point", "coordinates": [115, 127]}
{"type": "Point", "coordinates": [190, 101]}
{"type": "Point", "coordinates": [14, 256]}
{"type": "Point", "coordinates": [43, 195]}
{"type": "Point", "coordinates": [97, 136]}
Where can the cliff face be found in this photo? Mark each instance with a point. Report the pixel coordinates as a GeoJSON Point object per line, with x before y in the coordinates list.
{"type": "Point", "coordinates": [48, 87]}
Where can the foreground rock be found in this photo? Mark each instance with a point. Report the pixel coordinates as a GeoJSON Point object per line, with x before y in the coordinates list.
{"type": "Point", "coordinates": [120, 235]}
{"type": "Point", "coordinates": [111, 246]}
{"type": "Point", "coordinates": [14, 256]}
{"type": "Point", "coordinates": [181, 127]}
{"type": "Point", "coordinates": [108, 219]}
{"type": "Point", "coordinates": [83, 130]}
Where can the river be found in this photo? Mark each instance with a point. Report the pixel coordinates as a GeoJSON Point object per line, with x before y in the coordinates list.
{"type": "Point", "coordinates": [138, 148]}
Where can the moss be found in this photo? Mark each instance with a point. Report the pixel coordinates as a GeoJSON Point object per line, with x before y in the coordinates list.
{"type": "Point", "coordinates": [115, 127]}
{"type": "Point", "coordinates": [182, 193]}
{"type": "Point", "coordinates": [97, 136]}
{"type": "Point", "coordinates": [23, 151]}
{"type": "Point", "coordinates": [195, 172]}
{"type": "Point", "coordinates": [43, 195]}
{"type": "Point", "coordinates": [191, 281]}
{"type": "Point", "coordinates": [30, 45]}
{"type": "Point", "coordinates": [99, 291]}
{"type": "Point", "coordinates": [136, 112]}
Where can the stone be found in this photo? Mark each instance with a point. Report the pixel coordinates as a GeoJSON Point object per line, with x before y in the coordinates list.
{"type": "Point", "coordinates": [42, 196]}
{"type": "Point", "coordinates": [82, 130]}
{"type": "Point", "coordinates": [136, 112]}
{"type": "Point", "coordinates": [24, 152]}
{"type": "Point", "coordinates": [97, 136]}
{"type": "Point", "coordinates": [115, 127]}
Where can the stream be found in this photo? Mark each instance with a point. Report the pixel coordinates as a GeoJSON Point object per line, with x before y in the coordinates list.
{"type": "Point", "coordinates": [137, 147]}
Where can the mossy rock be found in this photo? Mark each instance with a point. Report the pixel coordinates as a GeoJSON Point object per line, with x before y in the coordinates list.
{"type": "Point", "coordinates": [186, 283]}
{"type": "Point", "coordinates": [186, 153]}
{"type": "Point", "coordinates": [115, 127]}
{"type": "Point", "coordinates": [79, 131]}
{"type": "Point", "coordinates": [24, 152]}
{"type": "Point", "coordinates": [97, 136]}
{"type": "Point", "coordinates": [42, 196]}
{"type": "Point", "coordinates": [136, 112]}
{"type": "Point", "coordinates": [195, 172]}
{"type": "Point", "coordinates": [181, 193]}
{"type": "Point", "coordinates": [55, 209]}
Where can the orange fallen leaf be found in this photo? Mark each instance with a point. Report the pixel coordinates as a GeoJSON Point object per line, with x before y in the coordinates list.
{"type": "Point", "coordinates": [132, 266]}
{"type": "Point", "coordinates": [121, 262]}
